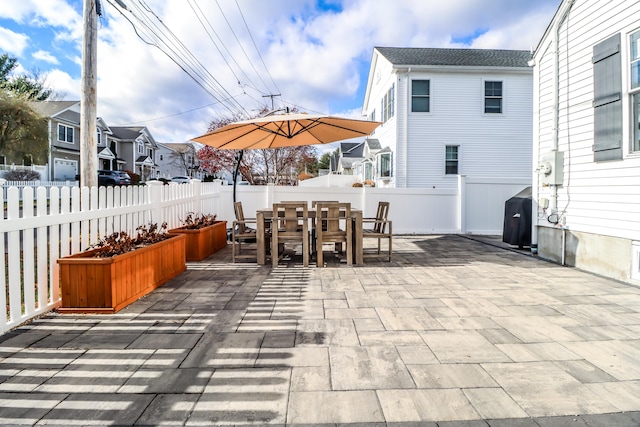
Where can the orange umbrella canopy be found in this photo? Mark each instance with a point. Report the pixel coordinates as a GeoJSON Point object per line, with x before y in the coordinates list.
{"type": "Point", "coordinates": [286, 130]}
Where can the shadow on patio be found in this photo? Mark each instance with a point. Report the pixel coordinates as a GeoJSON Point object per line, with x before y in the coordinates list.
{"type": "Point", "coordinates": [452, 330]}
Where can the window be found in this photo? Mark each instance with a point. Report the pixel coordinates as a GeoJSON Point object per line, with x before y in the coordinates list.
{"type": "Point", "coordinates": [388, 104]}
{"type": "Point", "coordinates": [636, 121]}
{"type": "Point", "coordinates": [493, 97]}
{"type": "Point", "coordinates": [99, 137]}
{"type": "Point", "coordinates": [384, 165]}
{"type": "Point", "coordinates": [420, 94]}
{"type": "Point", "coordinates": [451, 160]}
{"type": "Point", "coordinates": [161, 157]}
{"type": "Point", "coordinates": [635, 89]}
{"type": "Point", "coordinates": [607, 100]}
{"type": "Point", "coordinates": [368, 170]}
{"type": "Point", "coordinates": [635, 60]}
{"type": "Point", "coordinates": [140, 147]}
{"type": "Point", "coordinates": [65, 133]}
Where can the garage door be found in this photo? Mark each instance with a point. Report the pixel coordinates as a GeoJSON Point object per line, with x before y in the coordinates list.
{"type": "Point", "coordinates": [65, 170]}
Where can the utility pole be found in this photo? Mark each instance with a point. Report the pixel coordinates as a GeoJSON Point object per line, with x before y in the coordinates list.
{"type": "Point", "coordinates": [88, 96]}
{"type": "Point", "coordinates": [271, 96]}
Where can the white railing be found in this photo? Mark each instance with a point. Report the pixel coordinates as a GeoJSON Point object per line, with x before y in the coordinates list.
{"type": "Point", "coordinates": [48, 223]}
{"type": "Point", "coordinates": [52, 222]}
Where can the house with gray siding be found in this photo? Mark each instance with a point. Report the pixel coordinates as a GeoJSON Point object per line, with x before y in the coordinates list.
{"type": "Point", "coordinates": [118, 148]}
{"type": "Point", "coordinates": [64, 137]}
{"type": "Point", "coordinates": [448, 113]}
{"type": "Point", "coordinates": [586, 138]}
{"type": "Point", "coordinates": [137, 150]}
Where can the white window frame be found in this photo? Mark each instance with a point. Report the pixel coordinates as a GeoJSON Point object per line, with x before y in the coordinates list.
{"type": "Point", "coordinates": [428, 97]}
{"type": "Point", "coordinates": [388, 104]}
{"type": "Point", "coordinates": [68, 130]}
{"type": "Point", "coordinates": [140, 147]}
{"type": "Point", "coordinates": [634, 90]}
{"type": "Point", "coordinates": [99, 136]}
{"type": "Point", "coordinates": [379, 169]}
{"type": "Point", "coordinates": [486, 97]}
{"type": "Point", "coordinates": [367, 170]}
{"type": "Point", "coordinates": [456, 160]}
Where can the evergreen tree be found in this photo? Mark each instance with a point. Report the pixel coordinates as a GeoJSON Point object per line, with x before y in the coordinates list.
{"type": "Point", "coordinates": [30, 87]}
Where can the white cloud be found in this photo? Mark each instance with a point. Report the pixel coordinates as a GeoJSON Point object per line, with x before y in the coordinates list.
{"type": "Point", "coordinates": [55, 13]}
{"type": "Point", "coordinates": [63, 84]}
{"type": "Point", "coordinates": [319, 61]}
{"type": "Point", "coordinates": [45, 56]}
{"type": "Point", "coordinates": [12, 42]}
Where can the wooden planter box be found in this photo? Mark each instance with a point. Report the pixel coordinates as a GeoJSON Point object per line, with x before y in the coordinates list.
{"type": "Point", "coordinates": [106, 285]}
{"type": "Point", "coordinates": [204, 242]}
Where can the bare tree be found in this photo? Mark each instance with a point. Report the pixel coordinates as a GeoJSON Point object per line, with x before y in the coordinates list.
{"type": "Point", "coordinates": [274, 165]}
{"type": "Point", "coordinates": [185, 156]}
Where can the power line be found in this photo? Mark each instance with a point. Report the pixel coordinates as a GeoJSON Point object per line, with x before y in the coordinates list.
{"type": "Point", "coordinates": [195, 64]}
{"type": "Point", "coordinates": [241, 47]}
{"type": "Point", "coordinates": [256, 46]}
{"type": "Point", "coordinates": [169, 116]}
{"type": "Point", "coordinates": [208, 28]}
{"type": "Point", "coordinates": [160, 36]}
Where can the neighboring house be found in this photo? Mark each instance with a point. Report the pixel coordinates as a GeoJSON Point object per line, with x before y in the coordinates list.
{"type": "Point", "coordinates": [137, 148]}
{"type": "Point", "coordinates": [587, 138]}
{"type": "Point", "coordinates": [178, 159]}
{"type": "Point", "coordinates": [450, 112]}
{"type": "Point", "coordinates": [118, 148]}
{"type": "Point", "coordinates": [358, 159]}
{"type": "Point", "coordinates": [107, 148]}
{"type": "Point", "coordinates": [64, 137]}
{"type": "Point", "coordinates": [370, 168]}
{"type": "Point", "coordinates": [347, 155]}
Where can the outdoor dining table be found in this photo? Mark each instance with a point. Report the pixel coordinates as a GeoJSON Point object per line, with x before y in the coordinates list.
{"type": "Point", "coordinates": [265, 215]}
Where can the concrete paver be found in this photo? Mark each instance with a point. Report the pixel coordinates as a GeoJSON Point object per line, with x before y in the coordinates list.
{"type": "Point", "coordinates": [454, 332]}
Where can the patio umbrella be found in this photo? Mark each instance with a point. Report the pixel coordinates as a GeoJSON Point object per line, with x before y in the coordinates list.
{"type": "Point", "coordinates": [284, 130]}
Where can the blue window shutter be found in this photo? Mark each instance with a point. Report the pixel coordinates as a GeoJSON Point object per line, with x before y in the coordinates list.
{"type": "Point", "coordinates": [607, 100]}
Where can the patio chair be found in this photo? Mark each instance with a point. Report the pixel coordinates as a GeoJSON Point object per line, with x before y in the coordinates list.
{"type": "Point", "coordinates": [313, 223]}
{"type": "Point", "coordinates": [290, 224]}
{"type": "Point", "coordinates": [379, 230]}
{"type": "Point", "coordinates": [333, 225]}
{"type": "Point", "coordinates": [241, 233]}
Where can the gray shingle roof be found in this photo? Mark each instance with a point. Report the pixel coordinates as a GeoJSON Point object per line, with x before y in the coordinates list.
{"type": "Point", "coordinates": [455, 57]}
{"type": "Point", "coordinates": [126, 133]}
{"type": "Point", "coordinates": [351, 149]}
{"type": "Point", "coordinates": [373, 144]}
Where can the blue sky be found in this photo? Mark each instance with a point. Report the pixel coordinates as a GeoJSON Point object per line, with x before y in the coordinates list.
{"type": "Point", "coordinates": [315, 53]}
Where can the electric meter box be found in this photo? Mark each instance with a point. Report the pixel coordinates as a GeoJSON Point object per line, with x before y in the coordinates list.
{"type": "Point", "coordinates": [550, 168]}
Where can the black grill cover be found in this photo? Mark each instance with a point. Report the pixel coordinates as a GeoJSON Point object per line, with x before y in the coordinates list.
{"type": "Point", "coordinates": [517, 219]}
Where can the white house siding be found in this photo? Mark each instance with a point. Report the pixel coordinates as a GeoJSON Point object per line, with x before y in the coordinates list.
{"type": "Point", "coordinates": [491, 145]}
{"type": "Point", "coordinates": [599, 202]}
{"type": "Point", "coordinates": [382, 79]}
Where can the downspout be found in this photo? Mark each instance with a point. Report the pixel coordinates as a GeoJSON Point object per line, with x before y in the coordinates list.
{"type": "Point", "coordinates": [406, 130]}
{"type": "Point", "coordinates": [555, 139]}
{"type": "Point", "coordinates": [556, 112]}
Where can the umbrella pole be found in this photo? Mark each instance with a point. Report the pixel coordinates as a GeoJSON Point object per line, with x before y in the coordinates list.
{"type": "Point", "coordinates": [235, 172]}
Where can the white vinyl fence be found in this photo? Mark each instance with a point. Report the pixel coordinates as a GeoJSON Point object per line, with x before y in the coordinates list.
{"type": "Point", "coordinates": [44, 223]}
{"type": "Point", "coordinates": [52, 222]}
